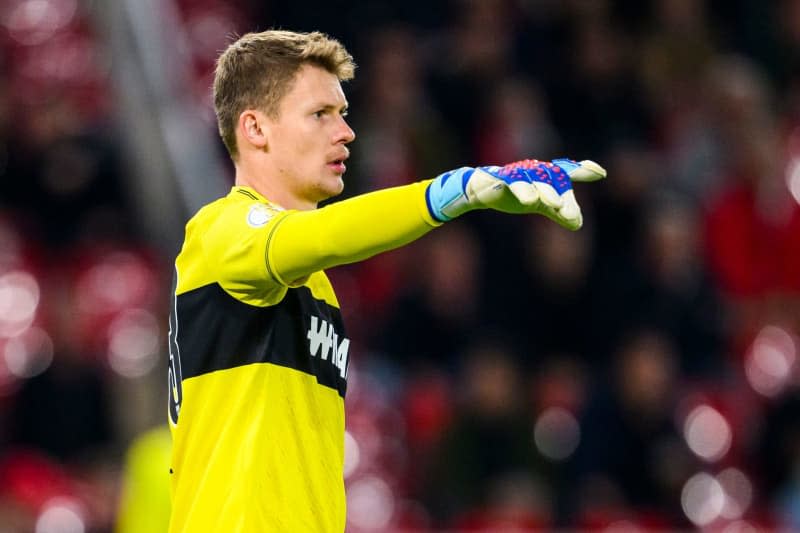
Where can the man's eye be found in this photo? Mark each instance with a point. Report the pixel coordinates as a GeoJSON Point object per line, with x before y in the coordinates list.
{"type": "Point", "coordinates": [318, 114]}
{"type": "Point", "coordinates": [345, 112]}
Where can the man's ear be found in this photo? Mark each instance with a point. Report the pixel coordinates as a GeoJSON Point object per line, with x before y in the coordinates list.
{"type": "Point", "coordinates": [253, 128]}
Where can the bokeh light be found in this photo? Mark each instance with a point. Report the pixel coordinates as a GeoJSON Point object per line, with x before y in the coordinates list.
{"type": "Point", "coordinates": [771, 360]}
{"type": "Point", "coordinates": [352, 454]}
{"type": "Point", "coordinates": [707, 433]}
{"type": "Point", "coordinates": [119, 280]}
{"type": "Point", "coordinates": [61, 515]}
{"type": "Point", "coordinates": [370, 504]}
{"type": "Point", "coordinates": [19, 299]}
{"type": "Point", "coordinates": [738, 492]}
{"type": "Point", "coordinates": [556, 433]}
{"type": "Point", "coordinates": [29, 354]}
{"type": "Point", "coordinates": [702, 499]}
{"type": "Point", "coordinates": [33, 22]}
{"type": "Point", "coordinates": [133, 343]}
{"type": "Point", "coordinates": [793, 178]}
{"type": "Point", "coordinates": [70, 58]}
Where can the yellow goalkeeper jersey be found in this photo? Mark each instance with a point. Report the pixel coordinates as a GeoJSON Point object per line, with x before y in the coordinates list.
{"type": "Point", "coordinates": [259, 358]}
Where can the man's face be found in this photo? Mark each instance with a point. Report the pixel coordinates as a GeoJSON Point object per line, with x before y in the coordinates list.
{"type": "Point", "coordinates": [307, 140]}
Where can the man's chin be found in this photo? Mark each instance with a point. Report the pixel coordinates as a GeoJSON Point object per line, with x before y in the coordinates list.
{"type": "Point", "coordinates": [330, 189]}
{"type": "Point", "coordinates": [336, 187]}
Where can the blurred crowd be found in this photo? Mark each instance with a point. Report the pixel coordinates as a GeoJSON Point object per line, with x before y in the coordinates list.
{"type": "Point", "coordinates": [507, 375]}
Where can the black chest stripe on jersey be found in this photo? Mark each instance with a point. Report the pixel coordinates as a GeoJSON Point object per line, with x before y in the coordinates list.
{"type": "Point", "coordinates": [216, 332]}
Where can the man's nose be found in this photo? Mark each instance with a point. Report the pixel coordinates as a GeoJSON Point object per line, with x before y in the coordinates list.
{"type": "Point", "coordinates": [345, 133]}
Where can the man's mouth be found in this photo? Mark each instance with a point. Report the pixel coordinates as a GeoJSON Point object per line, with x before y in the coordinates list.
{"type": "Point", "coordinates": [337, 165]}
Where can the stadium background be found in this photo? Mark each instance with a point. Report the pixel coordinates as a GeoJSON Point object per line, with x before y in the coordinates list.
{"type": "Point", "coordinates": [640, 374]}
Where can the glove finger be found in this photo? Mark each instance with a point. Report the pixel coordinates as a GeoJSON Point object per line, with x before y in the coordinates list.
{"type": "Point", "coordinates": [548, 195]}
{"type": "Point", "coordinates": [556, 217]}
{"type": "Point", "coordinates": [587, 171]}
{"type": "Point", "coordinates": [525, 192]}
{"type": "Point", "coordinates": [569, 214]}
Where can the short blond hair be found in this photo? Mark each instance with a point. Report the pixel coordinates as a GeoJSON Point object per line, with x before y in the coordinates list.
{"type": "Point", "coordinates": [257, 70]}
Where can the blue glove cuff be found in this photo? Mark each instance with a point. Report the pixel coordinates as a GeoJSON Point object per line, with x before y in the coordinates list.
{"type": "Point", "coordinates": [567, 165]}
{"type": "Point", "coordinates": [446, 191]}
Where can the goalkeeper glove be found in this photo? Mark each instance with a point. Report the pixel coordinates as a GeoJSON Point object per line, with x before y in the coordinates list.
{"type": "Point", "coordinates": [528, 186]}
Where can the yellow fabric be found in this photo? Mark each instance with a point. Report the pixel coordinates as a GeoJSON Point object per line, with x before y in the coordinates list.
{"type": "Point", "coordinates": [351, 230]}
{"type": "Point", "coordinates": [258, 448]}
{"type": "Point", "coordinates": [145, 501]}
{"type": "Point", "coordinates": [258, 444]}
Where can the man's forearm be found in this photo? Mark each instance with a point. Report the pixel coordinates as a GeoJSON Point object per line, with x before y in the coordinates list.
{"type": "Point", "coordinates": [348, 231]}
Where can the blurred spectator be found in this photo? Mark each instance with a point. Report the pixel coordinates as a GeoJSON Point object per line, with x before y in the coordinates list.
{"type": "Point", "coordinates": [549, 313]}
{"type": "Point", "coordinates": [65, 411]}
{"type": "Point", "coordinates": [620, 210]}
{"type": "Point", "coordinates": [631, 458]}
{"type": "Point", "coordinates": [477, 50]}
{"type": "Point", "coordinates": [400, 135]}
{"type": "Point", "coordinates": [488, 455]}
{"type": "Point", "coordinates": [753, 223]}
{"type": "Point", "coordinates": [597, 102]}
{"type": "Point", "coordinates": [66, 172]}
{"type": "Point", "coordinates": [428, 406]}
{"type": "Point", "coordinates": [562, 381]}
{"type": "Point", "coordinates": [668, 287]}
{"type": "Point", "coordinates": [514, 125]}
{"type": "Point", "coordinates": [681, 300]}
{"type": "Point", "coordinates": [678, 51]}
{"type": "Point", "coordinates": [438, 314]}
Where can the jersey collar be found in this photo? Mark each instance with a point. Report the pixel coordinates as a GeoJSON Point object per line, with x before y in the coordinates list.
{"type": "Point", "coordinates": [248, 192]}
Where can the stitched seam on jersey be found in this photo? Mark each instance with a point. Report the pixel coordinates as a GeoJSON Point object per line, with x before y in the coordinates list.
{"type": "Point", "coordinates": [267, 251]}
{"type": "Point", "coordinates": [248, 194]}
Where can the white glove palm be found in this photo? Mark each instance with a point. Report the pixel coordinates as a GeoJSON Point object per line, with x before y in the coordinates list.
{"type": "Point", "coordinates": [528, 186]}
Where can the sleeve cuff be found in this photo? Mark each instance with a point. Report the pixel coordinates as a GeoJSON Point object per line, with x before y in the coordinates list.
{"type": "Point", "coordinates": [422, 204]}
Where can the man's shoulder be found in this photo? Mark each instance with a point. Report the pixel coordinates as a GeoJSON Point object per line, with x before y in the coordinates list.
{"type": "Point", "coordinates": [208, 211]}
{"type": "Point", "coordinates": [239, 203]}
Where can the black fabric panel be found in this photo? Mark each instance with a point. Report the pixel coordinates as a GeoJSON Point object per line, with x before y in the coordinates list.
{"type": "Point", "coordinates": [216, 332]}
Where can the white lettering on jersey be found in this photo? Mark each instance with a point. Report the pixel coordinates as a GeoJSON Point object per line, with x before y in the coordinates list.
{"type": "Point", "coordinates": [315, 336]}
{"type": "Point", "coordinates": [326, 347]}
{"type": "Point", "coordinates": [341, 357]}
{"type": "Point", "coordinates": [321, 335]}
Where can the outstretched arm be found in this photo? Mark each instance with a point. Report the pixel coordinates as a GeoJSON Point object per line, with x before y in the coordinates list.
{"type": "Point", "coordinates": [345, 232]}
{"type": "Point", "coordinates": [352, 230]}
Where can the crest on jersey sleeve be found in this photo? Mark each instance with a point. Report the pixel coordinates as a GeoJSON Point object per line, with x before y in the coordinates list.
{"type": "Point", "coordinates": [259, 214]}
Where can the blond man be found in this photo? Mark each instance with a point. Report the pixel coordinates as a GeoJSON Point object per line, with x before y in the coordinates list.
{"type": "Point", "coordinates": [258, 351]}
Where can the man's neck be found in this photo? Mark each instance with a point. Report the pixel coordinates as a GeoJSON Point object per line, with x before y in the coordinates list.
{"type": "Point", "coordinates": [270, 189]}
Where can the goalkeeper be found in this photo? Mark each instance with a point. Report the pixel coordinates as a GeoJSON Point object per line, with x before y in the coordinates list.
{"type": "Point", "coordinates": [258, 352]}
